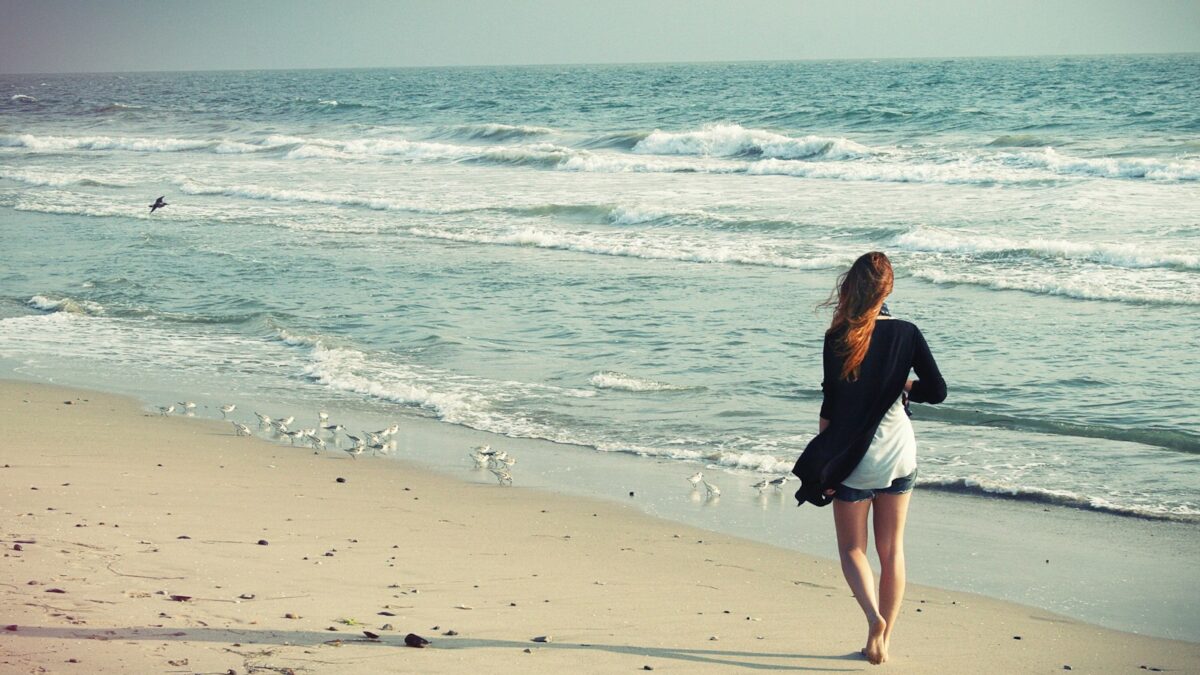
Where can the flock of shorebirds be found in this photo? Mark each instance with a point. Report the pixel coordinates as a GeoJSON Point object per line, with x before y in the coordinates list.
{"type": "Point", "coordinates": [697, 479]}
{"type": "Point", "coordinates": [378, 442]}
{"type": "Point", "coordinates": [498, 462]}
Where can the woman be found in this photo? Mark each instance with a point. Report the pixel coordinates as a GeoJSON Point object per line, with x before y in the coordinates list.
{"type": "Point", "coordinates": [865, 454]}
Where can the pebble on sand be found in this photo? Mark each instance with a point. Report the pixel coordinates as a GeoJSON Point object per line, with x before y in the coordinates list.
{"type": "Point", "coordinates": [414, 640]}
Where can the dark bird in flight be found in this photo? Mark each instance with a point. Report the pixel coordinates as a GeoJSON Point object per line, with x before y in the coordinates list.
{"type": "Point", "coordinates": [158, 204]}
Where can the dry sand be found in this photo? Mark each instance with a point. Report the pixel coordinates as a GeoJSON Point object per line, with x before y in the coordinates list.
{"type": "Point", "coordinates": [112, 516]}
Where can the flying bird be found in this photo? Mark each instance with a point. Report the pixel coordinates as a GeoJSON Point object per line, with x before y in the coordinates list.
{"type": "Point", "coordinates": [158, 204]}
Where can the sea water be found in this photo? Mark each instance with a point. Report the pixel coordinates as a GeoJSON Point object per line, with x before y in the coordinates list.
{"type": "Point", "coordinates": [629, 259]}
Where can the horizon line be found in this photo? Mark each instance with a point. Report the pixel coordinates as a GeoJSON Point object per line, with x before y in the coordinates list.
{"type": "Point", "coordinates": [603, 63]}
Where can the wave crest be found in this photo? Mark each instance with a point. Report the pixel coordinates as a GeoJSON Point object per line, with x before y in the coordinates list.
{"type": "Point", "coordinates": [610, 379]}
{"type": "Point", "coordinates": [1128, 255]}
{"type": "Point", "coordinates": [65, 305]}
{"type": "Point", "coordinates": [989, 488]}
{"type": "Point", "coordinates": [732, 140]}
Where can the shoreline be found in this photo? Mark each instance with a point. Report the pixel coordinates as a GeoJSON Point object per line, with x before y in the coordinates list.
{"type": "Point", "coordinates": [109, 494]}
{"type": "Point", "coordinates": [1031, 554]}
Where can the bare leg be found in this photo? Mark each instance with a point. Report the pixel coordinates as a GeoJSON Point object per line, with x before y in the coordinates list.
{"type": "Point", "coordinates": [890, 514]}
{"type": "Point", "coordinates": [850, 518]}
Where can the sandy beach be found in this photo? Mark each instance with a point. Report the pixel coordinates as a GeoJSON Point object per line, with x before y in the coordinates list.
{"type": "Point", "coordinates": [140, 543]}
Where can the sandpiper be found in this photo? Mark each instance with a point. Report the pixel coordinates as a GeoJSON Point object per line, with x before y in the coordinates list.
{"type": "Point", "coordinates": [713, 490]}
{"type": "Point", "coordinates": [696, 478]}
{"type": "Point", "coordinates": [227, 408]}
{"type": "Point", "coordinates": [263, 419]}
{"type": "Point", "coordinates": [503, 476]}
{"type": "Point", "coordinates": [166, 410]}
{"type": "Point", "coordinates": [240, 429]}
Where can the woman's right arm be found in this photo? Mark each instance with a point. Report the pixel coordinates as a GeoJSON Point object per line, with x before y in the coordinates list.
{"type": "Point", "coordinates": [930, 387]}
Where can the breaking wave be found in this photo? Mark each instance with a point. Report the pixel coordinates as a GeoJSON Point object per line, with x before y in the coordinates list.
{"type": "Point", "coordinates": [608, 379]}
{"type": "Point", "coordinates": [1083, 287]}
{"type": "Point", "coordinates": [731, 140]}
{"type": "Point", "coordinates": [989, 488]}
{"type": "Point", "coordinates": [1127, 255]}
{"type": "Point", "coordinates": [66, 305]}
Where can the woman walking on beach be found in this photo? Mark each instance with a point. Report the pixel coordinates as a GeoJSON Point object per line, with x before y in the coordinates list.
{"type": "Point", "coordinates": [865, 457]}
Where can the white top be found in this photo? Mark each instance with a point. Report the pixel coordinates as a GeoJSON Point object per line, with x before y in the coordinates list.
{"type": "Point", "coordinates": [891, 455]}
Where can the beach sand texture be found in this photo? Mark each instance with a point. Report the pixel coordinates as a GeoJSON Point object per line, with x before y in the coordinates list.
{"type": "Point", "coordinates": [113, 516]}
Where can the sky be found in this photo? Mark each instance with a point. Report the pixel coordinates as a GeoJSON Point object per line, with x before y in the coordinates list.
{"type": "Point", "coordinates": [43, 36]}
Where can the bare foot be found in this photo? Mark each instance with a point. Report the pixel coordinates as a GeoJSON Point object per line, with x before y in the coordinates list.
{"type": "Point", "coordinates": [876, 650]}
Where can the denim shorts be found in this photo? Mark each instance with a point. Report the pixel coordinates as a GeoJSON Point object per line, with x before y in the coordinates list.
{"type": "Point", "coordinates": [898, 487]}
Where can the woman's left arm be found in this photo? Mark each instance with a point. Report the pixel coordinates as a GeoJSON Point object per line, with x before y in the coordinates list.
{"type": "Point", "coordinates": [930, 387]}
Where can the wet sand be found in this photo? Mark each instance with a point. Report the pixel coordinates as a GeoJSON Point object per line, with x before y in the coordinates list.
{"type": "Point", "coordinates": [140, 543]}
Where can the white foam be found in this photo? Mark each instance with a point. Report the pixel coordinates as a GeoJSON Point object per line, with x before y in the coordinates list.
{"type": "Point", "coordinates": [22, 98]}
{"type": "Point", "coordinates": [66, 143]}
{"type": "Point", "coordinates": [1111, 167]}
{"type": "Point", "coordinates": [499, 131]}
{"type": "Point", "coordinates": [1121, 255]}
{"type": "Point", "coordinates": [732, 140]}
{"type": "Point", "coordinates": [635, 246]}
{"type": "Point", "coordinates": [987, 486]}
{"type": "Point", "coordinates": [636, 215]}
{"type": "Point", "coordinates": [608, 379]}
{"type": "Point", "coordinates": [1095, 285]}
{"type": "Point", "coordinates": [66, 305]}
{"type": "Point", "coordinates": [55, 179]}
{"type": "Point", "coordinates": [304, 196]}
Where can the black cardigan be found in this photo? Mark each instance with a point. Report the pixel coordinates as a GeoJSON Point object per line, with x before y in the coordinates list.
{"type": "Point", "coordinates": [854, 409]}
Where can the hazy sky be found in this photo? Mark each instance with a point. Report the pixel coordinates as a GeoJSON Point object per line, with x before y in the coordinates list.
{"type": "Point", "coordinates": [118, 35]}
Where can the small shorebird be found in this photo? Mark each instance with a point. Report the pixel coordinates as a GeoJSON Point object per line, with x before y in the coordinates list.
{"type": "Point", "coordinates": [355, 451]}
{"type": "Point", "coordinates": [158, 204]}
{"type": "Point", "coordinates": [501, 459]}
{"type": "Point", "coordinates": [713, 490]}
{"type": "Point", "coordinates": [761, 485]}
{"type": "Point", "coordinates": [481, 460]}
{"type": "Point", "coordinates": [294, 436]}
{"type": "Point", "coordinates": [777, 483]}
{"type": "Point", "coordinates": [323, 417]}
{"type": "Point", "coordinates": [317, 443]}
{"type": "Point", "coordinates": [391, 431]}
{"type": "Point", "coordinates": [188, 407]}
{"type": "Point", "coordinates": [288, 420]}
{"type": "Point", "coordinates": [332, 428]}
{"type": "Point", "coordinates": [240, 429]}
{"type": "Point", "coordinates": [503, 476]}
{"type": "Point", "coordinates": [696, 478]}
{"type": "Point", "coordinates": [263, 419]}
{"type": "Point", "coordinates": [227, 408]}
{"type": "Point", "coordinates": [165, 410]}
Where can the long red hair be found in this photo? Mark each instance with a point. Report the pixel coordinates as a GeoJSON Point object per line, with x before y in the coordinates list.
{"type": "Point", "coordinates": [856, 299]}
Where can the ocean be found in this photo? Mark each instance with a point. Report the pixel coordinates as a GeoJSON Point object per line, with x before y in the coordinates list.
{"type": "Point", "coordinates": [628, 259]}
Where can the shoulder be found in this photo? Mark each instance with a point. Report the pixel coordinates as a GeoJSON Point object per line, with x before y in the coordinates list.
{"type": "Point", "coordinates": [899, 328]}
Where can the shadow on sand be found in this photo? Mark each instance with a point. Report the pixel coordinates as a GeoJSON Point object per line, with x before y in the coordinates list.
{"type": "Point", "coordinates": [723, 657]}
